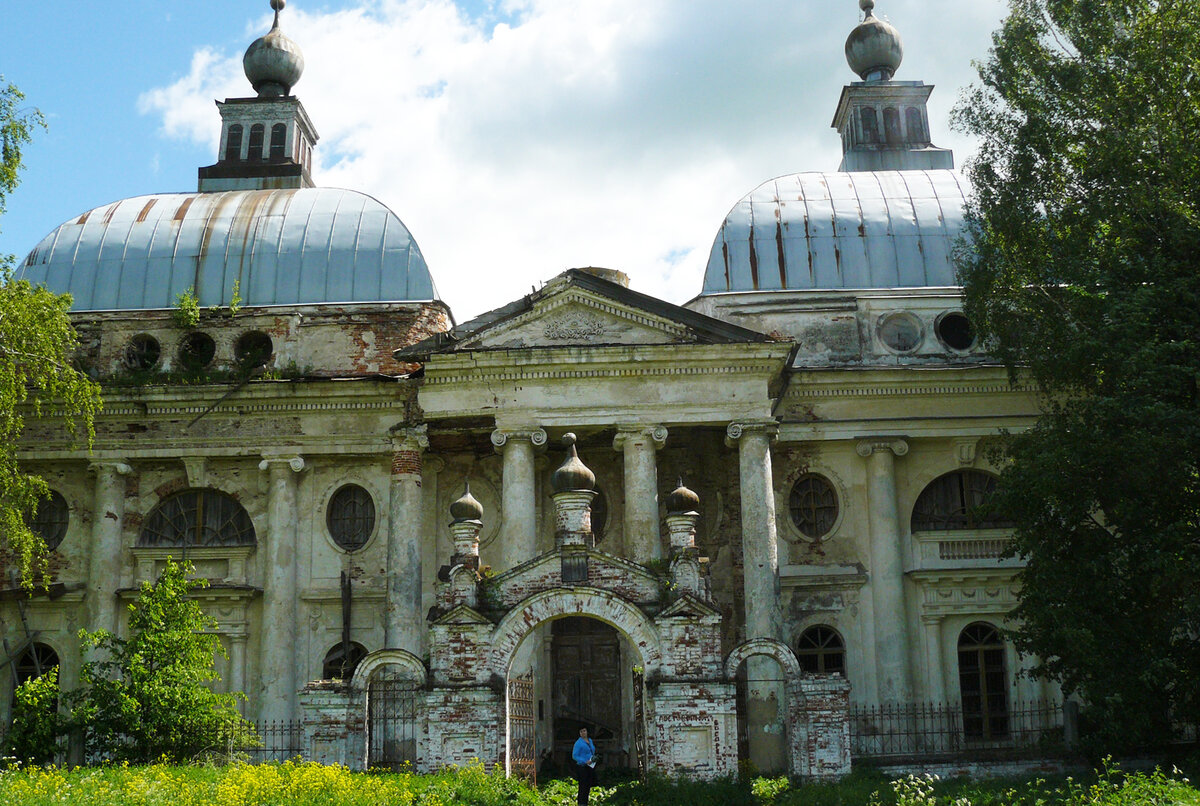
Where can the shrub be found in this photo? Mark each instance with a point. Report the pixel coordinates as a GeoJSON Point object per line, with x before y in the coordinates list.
{"type": "Point", "coordinates": [36, 735]}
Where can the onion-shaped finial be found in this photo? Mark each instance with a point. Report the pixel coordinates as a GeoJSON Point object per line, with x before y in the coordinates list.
{"type": "Point", "coordinates": [273, 63]}
{"type": "Point", "coordinates": [573, 474]}
{"type": "Point", "coordinates": [465, 508]}
{"type": "Point", "coordinates": [681, 500]}
{"type": "Point", "coordinates": [874, 48]}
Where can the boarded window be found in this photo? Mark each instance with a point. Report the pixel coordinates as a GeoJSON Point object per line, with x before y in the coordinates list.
{"type": "Point", "coordinates": [351, 517]}
{"type": "Point", "coordinates": [870, 126]}
{"type": "Point", "coordinates": [278, 141]}
{"type": "Point", "coordinates": [233, 144]}
{"type": "Point", "coordinates": [257, 134]}
{"type": "Point", "coordinates": [201, 518]}
{"type": "Point", "coordinates": [813, 505]}
{"type": "Point", "coordinates": [915, 125]}
{"type": "Point", "coordinates": [891, 126]}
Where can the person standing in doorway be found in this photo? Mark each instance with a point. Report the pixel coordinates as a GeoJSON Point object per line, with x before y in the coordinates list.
{"type": "Point", "coordinates": [584, 756]}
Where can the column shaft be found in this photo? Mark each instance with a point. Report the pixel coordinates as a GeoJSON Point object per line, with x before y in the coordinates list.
{"type": "Point", "coordinates": [519, 512]}
{"type": "Point", "coordinates": [937, 670]}
{"type": "Point", "coordinates": [643, 538]}
{"type": "Point", "coordinates": [104, 562]}
{"type": "Point", "coordinates": [278, 682]}
{"type": "Point", "coordinates": [887, 571]}
{"type": "Point", "coordinates": [405, 626]}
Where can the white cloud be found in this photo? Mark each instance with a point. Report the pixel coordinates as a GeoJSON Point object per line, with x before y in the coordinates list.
{"type": "Point", "coordinates": [546, 134]}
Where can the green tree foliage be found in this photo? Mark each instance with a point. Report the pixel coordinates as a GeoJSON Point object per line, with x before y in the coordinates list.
{"type": "Point", "coordinates": [149, 697]}
{"type": "Point", "coordinates": [36, 733]}
{"type": "Point", "coordinates": [1084, 276]}
{"type": "Point", "coordinates": [37, 344]}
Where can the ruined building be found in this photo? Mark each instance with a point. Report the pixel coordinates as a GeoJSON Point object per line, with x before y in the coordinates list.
{"type": "Point", "coordinates": [708, 532]}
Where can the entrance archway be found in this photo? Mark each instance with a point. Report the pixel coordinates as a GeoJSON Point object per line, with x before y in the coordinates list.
{"type": "Point", "coordinates": [770, 730]}
{"type": "Point", "coordinates": [589, 642]}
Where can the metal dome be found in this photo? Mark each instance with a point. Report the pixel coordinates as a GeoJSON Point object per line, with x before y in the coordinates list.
{"type": "Point", "coordinates": [811, 231]}
{"type": "Point", "coordinates": [284, 247]}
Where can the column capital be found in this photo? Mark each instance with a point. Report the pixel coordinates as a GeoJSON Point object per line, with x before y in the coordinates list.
{"type": "Point", "coordinates": [737, 430]}
{"type": "Point", "coordinates": [536, 436]}
{"type": "Point", "coordinates": [410, 438]}
{"type": "Point", "coordinates": [932, 619]}
{"type": "Point", "coordinates": [292, 460]}
{"type": "Point", "coordinates": [656, 434]}
{"type": "Point", "coordinates": [118, 466]}
{"type": "Point", "coordinates": [870, 445]}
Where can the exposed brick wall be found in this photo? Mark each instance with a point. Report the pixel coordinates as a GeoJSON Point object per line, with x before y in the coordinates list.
{"type": "Point", "coordinates": [406, 463]}
{"type": "Point", "coordinates": [692, 729]}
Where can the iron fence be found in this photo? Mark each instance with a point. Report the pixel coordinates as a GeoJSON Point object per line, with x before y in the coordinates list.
{"type": "Point", "coordinates": [930, 730]}
{"type": "Point", "coordinates": [280, 740]}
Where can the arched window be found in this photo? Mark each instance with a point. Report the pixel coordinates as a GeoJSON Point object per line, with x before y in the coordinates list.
{"type": "Point", "coordinates": [891, 126]}
{"type": "Point", "coordinates": [821, 650]}
{"type": "Point", "coordinates": [870, 125]}
{"type": "Point", "coordinates": [233, 144]}
{"type": "Point", "coordinates": [813, 506]}
{"type": "Point", "coordinates": [278, 141]}
{"type": "Point", "coordinates": [351, 517]}
{"type": "Point", "coordinates": [957, 501]}
{"type": "Point", "coordinates": [257, 134]}
{"type": "Point", "coordinates": [200, 518]}
{"type": "Point", "coordinates": [915, 125]}
{"type": "Point", "coordinates": [982, 682]}
{"type": "Point", "coordinates": [35, 661]}
{"type": "Point", "coordinates": [340, 662]}
{"type": "Point", "coordinates": [50, 520]}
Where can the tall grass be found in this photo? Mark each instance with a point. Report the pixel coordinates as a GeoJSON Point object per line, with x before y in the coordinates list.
{"type": "Point", "coordinates": [316, 785]}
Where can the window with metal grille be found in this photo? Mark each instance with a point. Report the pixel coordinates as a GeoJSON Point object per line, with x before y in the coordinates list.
{"type": "Point", "coordinates": [200, 518]}
{"type": "Point", "coordinates": [813, 505]}
{"type": "Point", "coordinates": [958, 500]}
{"type": "Point", "coordinates": [233, 144]}
{"type": "Point", "coordinates": [351, 517]}
{"type": "Point", "coordinates": [50, 520]}
{"type": "Point", "coordinates": [982, 682]}
{"type": "Point", "coordinates": [340, 662]}
{"type": "Point", "coordinates": [278, 140]}
{"type": "Point", "coordinates": [821, 650]}
{"type": "Point", "coordinates": [35, 661]}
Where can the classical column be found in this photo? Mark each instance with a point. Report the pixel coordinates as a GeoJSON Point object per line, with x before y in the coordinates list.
{"type": "Point", "coordinates": [887, 568]}
{"type": "Point", "coordinates": [936, 681]}
{"type": "Point", "coordinates": [766, 690]}
{"type": "Point", "coordinates": [279, 633]}
{"type": "Point", "coordinates": [639, 443]}
{"type": "Point", "coordinates": [104, 562]}
{"type": "Point", "coordinates": [518, 529]}
{"type": "Point", "coordinates": [405, 626]}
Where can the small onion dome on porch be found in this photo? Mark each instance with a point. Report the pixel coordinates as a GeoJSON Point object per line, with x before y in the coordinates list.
{"type": "Point", "coordinates": [681, 500]}
{"type": "Point", "coordinates": [466, 509]}
{"type": "Point", "coordinates": [573, 475]}
{"type": "Point", "coordinates": [874, 49]}
{"type": "Point", "coordinates": [273, 63]}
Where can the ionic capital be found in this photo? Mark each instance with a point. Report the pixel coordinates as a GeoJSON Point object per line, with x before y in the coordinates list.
{"type": "Point", "coordinates": [536, 436]}
{"type": "Point", "coordinates": [871, 445]}
{"type": "Point", "coordinates": [410, 438]}
{"type": "Point", "coordinates": [292, 460]}
{"type": "Point", "coordinates": [735, 431]}
{"type": "Point", "coordinates": [655, 435]}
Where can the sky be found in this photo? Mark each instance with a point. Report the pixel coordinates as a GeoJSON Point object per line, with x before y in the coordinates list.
{"type": "Point", "coordinates": [514, 138]}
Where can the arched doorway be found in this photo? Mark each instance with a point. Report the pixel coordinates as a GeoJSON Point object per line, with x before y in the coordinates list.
{"type": "Point", "coordinates": [766, 673]}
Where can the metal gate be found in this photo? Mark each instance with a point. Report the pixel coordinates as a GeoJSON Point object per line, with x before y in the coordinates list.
{"type": "Point", "coordinates": [639, 720]}
{"type": "Point", "coordinates": [391, 723]}
{"type": "Point", "coordinates": [522, 728]}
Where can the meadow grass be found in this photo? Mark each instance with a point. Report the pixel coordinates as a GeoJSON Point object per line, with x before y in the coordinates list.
{"type": "Point", "coordinates": [317, 785]}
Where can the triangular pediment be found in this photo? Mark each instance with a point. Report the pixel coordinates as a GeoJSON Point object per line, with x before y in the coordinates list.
{"type": "Point", "coordinates": [688, 606]}
{"type": "Point", "coordinates": [463, 615]}
{"type": "Point", "coordinates": [577, 309]}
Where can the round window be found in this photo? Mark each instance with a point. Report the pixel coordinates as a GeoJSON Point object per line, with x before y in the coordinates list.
{"type": "Point", "coordinates": [954, 330]}
{"type": "Point", "coordinates": [351, 517]}
{"type": "Point", "coordinates": [51, 519]}
{"type": "Point", "coordinates": [197, 350]}
{"type": "Point", "coordinates": [813, 506]}
{"type": "Point", "coordinates": [142, 352]}
{"type": "Point", "coordinates": [901, 332]}
{"type": "Point", "coordinates": [253, 349]}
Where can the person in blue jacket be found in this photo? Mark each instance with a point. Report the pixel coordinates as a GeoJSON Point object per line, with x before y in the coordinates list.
{"type": "Point", "coordinates": [584, 756]}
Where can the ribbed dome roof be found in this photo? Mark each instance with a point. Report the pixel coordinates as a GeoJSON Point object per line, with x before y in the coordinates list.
{"type": "Point", "coordinates": [887, 229]}
{"type": "Point", "coordinates": [286, 247]}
